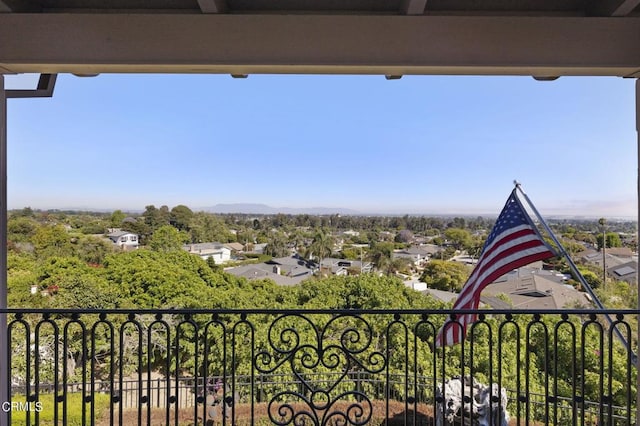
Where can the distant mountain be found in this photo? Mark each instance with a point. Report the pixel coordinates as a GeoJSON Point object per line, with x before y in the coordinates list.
{"type": "Point", "coordinates": [265, 209]}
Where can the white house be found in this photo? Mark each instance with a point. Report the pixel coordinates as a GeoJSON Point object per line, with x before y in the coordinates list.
{"type": "Point", "coordinates": [125, 240]}
{"type": "Point", "coordinates": [219, 252]}
{"type": "Point", "coordinates": [419, 255]}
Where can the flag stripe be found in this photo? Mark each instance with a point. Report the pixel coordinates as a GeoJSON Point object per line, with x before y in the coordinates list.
{"type": "Point", "coordinates": [516, 232]}
{"type": "Point", "coordinates": [512, 243]}
{"type": "Point", "coordinates": [473, 296]}
{"type": "Point", "coordinates": [504, 242]}
{"type": "Point", "coordinates": [502, 266]}
{"type": "Point", "coordinates": [511, 252]}
{"type": "Point", "coordinates": [509, 245]}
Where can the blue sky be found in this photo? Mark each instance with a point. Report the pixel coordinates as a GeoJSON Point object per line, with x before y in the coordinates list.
{"type": "Point", "coordinates": [422, 144]}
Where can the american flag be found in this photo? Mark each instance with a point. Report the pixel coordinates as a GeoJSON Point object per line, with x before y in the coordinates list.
{"type": "Point", "coordinates": [513, 242]}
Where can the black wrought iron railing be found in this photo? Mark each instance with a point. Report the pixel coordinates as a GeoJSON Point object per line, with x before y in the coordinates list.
{"type": "Point", "coordinates": [314, 367]}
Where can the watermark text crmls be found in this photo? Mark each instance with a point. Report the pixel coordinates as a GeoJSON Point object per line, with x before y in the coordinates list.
{"type": "Point", "coordinates": [16, 406]}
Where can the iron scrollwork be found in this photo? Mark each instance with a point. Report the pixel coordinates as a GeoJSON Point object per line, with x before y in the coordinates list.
{"type": "Point", "coordinates": [306, 350]}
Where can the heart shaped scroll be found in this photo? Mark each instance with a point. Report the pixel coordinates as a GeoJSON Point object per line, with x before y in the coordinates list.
{"type": "Point", "coordinates": [319, 366]}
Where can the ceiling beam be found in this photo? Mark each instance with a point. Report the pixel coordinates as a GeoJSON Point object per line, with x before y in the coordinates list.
{"type": "Point", "coordinates": [7, 6]}
{"type": "Point", "coordinates": [413, 7]}
{"type": "Point", "coordinates": [18, 6]}
{"type": "Point", "coordinates": [612, 7]}
{"type": "Point", "coordinates": [213, 6]}
{"type": "Point", "coordinates": [327, 44]}
{"type": "Point", "coordinates": [625, 7]}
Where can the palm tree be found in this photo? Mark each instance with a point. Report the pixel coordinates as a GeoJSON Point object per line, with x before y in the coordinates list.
{"type": "Point", "coordinates": [321, 247]}
{"type": "Point", "coordinates": [277, 245]}
{"type": "Point", "coordinates": [380, 255]}
{"type": "Point", "coordinates": [297, 238]}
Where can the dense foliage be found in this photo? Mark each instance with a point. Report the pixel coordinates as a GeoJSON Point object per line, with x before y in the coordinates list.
{"type": "Point", "coordinates": [62, 260]}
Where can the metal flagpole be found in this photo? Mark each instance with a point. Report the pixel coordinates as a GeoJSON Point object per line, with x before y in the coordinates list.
{"type": "Point", "coordinates": [5, 381]}
{"type": "Point", "coordinates": [577, 273]}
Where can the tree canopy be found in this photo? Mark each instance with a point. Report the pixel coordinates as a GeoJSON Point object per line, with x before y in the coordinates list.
{"type": "Point", "coordinates": [168, 239]}
{"type": "Point", "coordinates": [53, 263]}
{"type": "Point", "coordinates": [445, 275]}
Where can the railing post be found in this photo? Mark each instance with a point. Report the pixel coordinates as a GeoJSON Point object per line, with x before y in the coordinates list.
{"type": "Point", "coordinates": [5, 382]}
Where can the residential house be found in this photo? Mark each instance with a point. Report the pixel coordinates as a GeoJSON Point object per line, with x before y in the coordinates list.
{"type": "Point", "coordinates": [418, 255]}
{"type": "Point", "coordinates": [289, 270]}
{"type": "Point", "coordinates": [236, 250]}
{"type": "Point", "coordinates": [529, 288]}
{"type": "Point", "coordinates": [235, 247]}
{"type": "Point", "coordinates": [625, 272]}
{"type": "Point", "coordinates": [620, 252]}
{"type": "Point", "coordinates": [255, 248]}
{"type": "Point", "coordinates": [217, 251]}
{"type": "Point", "coordinates": [612, 257]}
{"type": "Point", "coordinates": [292, 266]}
{"type": "Point", "coordinates": [441, 295]}
{"type": "Point", "coordinates": [342, 267]}
{"type": "Point", "coordinates": [124, 239]}
{"type": "Point", "coordinates": [261, 271]}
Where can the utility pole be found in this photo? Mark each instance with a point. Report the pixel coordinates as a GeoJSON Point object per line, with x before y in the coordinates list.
{"type": "Point", "coordinates": [603, 223]}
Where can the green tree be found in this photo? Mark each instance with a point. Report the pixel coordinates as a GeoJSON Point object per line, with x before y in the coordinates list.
{"type": "Point", "coordinates": [460, 238]}
{"type": "Point", "coordinates": [94, 227]}
{"type": "Point", "coordinates": [298, 239]}
{"type": "Point", "coordinates": [21, 275]}
{"type": "Point", "coordinates": [155, 218]}
{"type": "Point", "coordinates": [613, 239]}
{"type": "Point", "coordinates": [380, 255]}
{"type": "Point", "coordinates": [25, 212]}
{"type": "Point", "coordinates": [585, 237]}
{"type": "Point", "coordinates": [181, 217]}
{"type": "Point", "coordinates": [404, 236]}
{"type": "Point", "coordinates": [154, 279]}
{"type": "Point", "coordinates": [398, 265]}
{"type": "Point", "coordinates": [116, 218]}
{"type": "Point", "coordinates": [445, 275]}
{"type": "Point", "coordinates": [168, 239]}
{"type": "Point", "coordinates": [52, 241]}
{"type": "Point", "coordinates": [366, 291]}
{"type": "Point", "coordinates": [21, 228]}
{"type": "Point", "coordinates": [205, 227]}
{"type": "Point", "coordinates": [93, 249]}
{"type": "Point", "coordinates": [73, 284]}
{"type": "Point", "coordinates": [321, 247]}
{"type": "Point", "coordinates": [276, 245]}
{"type": "Point", "coordinates": [458, 222]}
{"type": "Point", "coordinates": [572, 247]}
{"type": "Point", "coordinates": [591, 278]}
{"type": "Point", "coordinates": [350, 252]}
